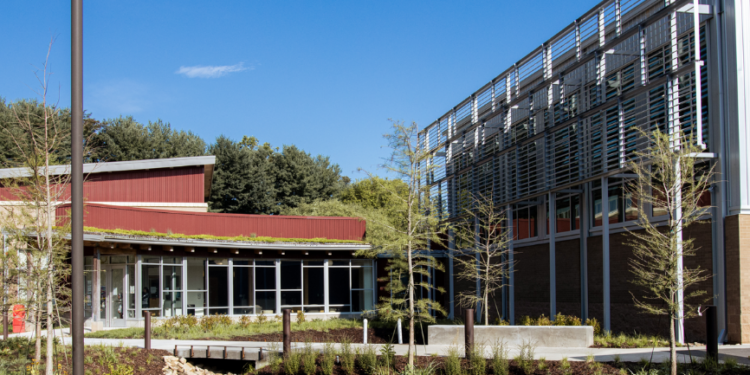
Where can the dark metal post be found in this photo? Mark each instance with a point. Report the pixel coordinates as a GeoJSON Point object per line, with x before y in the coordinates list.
{"type": "Point", "coordinates": [712, 334]}
{"type": "Point", "coordinates": [76, 197]}
{"type": "Point", "coordinates": [287, 337]}
{"type": "Point", "coordinates": [469, 331]}
{"type": "Point", "coordinates": [147, 331]}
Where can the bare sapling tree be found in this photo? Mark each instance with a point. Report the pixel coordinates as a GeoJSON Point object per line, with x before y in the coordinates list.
{"type": "Point", "coordinates": [482, 253]}
{"type": "Point", "coordinates": [673, 180]}
{"type": "Point", "coordinates": [408, 246]}
{"type": "Point", "coordinates": [38, 133]}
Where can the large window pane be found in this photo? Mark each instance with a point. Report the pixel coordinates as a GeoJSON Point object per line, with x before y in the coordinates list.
{"type": "Point", "coordinates": [291, 275]}
{"type": "Point", "coordinates": [314, 286]}
{"type": "Point", "coordinates": [361, 300]}
{"type": "Point", "coordinates": [196, 303]}
{"type": "Point", "coordinates": [266, 301]}
{"type": "Point", "coordinates": [291, 298]}
{"type": "Point", "coordinates": [218, 287]}
{"type": "Point", "coordinates": [265, 278]}
{"type": "Point", "coordinates": [338, 286]}
{"type": "Point", "coordinates": [131, 291]}
{"type": "Point", "coordinates": [362, 278]}
{"type": "Point", "coordinates": [172, 304]}
{"type": "Point", "coordinates": [196, 274]}
{"type": "Point", "coordinates": [150, 283]}
{"type": "Point", "coordinates": [172, 278]}
{"type": "Point", "coordinates": [242, 283]}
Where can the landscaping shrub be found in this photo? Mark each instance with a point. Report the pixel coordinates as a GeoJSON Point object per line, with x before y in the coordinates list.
{"type": "Point", "coordinates": [367, 359]}
{"type": "Point", "coordinates": [329, 359]}
{"type": "Point", "coordinates": [388, 356]}
{"type": "Point", "coordinates": [525, 358]}
{"type": "Point", "coordinates": [292, 363]}
{"type": "Point", "coordinates": [347, 357]}
{"type": "Point", "coordinates": [309, 356]}
{"type": "Point", "coordinates": [300, 316]}
{"type": "Point", "coordinates": [452, 362]}
{"type": "Point", "coordinates": [477, 362]}
{"type": "Point", "coordinates": [500, 364]}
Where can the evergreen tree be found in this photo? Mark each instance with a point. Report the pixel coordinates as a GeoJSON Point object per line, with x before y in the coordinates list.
{"type": "Point", "coordinates": [242, 180]}
{"type": "Point", "coordinates": [299, 178]}
{"type": "Point", "coordinates": [124, 138]}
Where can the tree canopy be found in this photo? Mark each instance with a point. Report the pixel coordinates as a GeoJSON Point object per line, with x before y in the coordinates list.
{"type": "Point", "coordinates": [123, 138]}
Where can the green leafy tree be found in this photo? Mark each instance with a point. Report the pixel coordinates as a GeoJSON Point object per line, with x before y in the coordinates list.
{"type": "Point", "coordinates": [124, 139]}
{"type": "Point", "coordinates": [387, 196]}
{"type": "Point", "coordinates": [407, 249]}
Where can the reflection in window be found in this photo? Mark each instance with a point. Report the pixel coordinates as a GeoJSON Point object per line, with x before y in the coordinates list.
{"type": "Point", "coordinates": [338, 290]}
{"type": "Point", "coordinates": [524, 222]}
{"type": "Point", "coordinates": [218, 293]}
{"type": "Point", "coordinates": [242, 289]}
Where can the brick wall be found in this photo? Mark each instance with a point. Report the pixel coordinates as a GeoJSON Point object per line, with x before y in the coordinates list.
{"type": "Point", "coordinates": [737, 232]}
{"type": "Point", "coordinates": [532, 282]}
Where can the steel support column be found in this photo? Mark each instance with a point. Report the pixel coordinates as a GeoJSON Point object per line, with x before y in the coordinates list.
{"type": "Point", "coordinates": [605, 253]}
{"type": "Point", "coordinates": [76, 196]}
{"type": "Point", "coordinates": [511, 271]}
{"type": "Point", "coordinates": [551, 219]}
{"type": "Point", "coordinates": [584, 251]}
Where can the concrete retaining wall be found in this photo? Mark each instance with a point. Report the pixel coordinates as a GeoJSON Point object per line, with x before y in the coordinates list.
{"type": "Point", "coordinates": [541, 336]}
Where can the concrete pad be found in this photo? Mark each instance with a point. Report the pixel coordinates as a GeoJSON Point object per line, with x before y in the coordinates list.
{"type": "Point", "coordinates": [540, 336]}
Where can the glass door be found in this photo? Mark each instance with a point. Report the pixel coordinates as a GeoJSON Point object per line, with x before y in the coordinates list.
{"type": "Point", "coordinates": [113, 296]}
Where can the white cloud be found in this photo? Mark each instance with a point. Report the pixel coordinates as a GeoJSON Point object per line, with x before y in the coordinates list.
{"type": "Point", "coordinates": [199, 71]}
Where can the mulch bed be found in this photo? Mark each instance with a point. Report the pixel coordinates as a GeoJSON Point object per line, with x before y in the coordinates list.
{"type": "Point", "coordinates": [142, 361]}
{"type": "Point", "coordinates": [352, 335]}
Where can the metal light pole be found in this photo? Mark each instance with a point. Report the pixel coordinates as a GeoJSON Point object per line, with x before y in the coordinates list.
{"type": "Point", "coordinates": [76, 198]}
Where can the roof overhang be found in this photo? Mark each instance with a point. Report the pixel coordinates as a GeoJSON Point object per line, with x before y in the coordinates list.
{"type": "Point", "coordinates": [308, 246]}
{"type": "Point", "coordinates": [122, 166]}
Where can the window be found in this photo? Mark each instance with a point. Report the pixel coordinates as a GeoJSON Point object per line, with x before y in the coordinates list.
{"type": "Point", "coordinates": [338, 291]}
{"type": "Point", "coordinates": [524, 222]}
{"type": "Point", "coordinates": [567, 214]}
{"type": "Point", "coordinates": [265, 282]}
{"type": "Point", "coordinates": [150, 289]}
{"type": "Point", "coordinates": [313, 282]}
{"type": "Point", "coordinates": [218, 282]}
{"type": "Point", "coordinates": [242, 287]}
{"type": "Point", "coordinates": [172, 287]}
{"type": "Point", "coordinates": [622, 205]}
{"type": "Point", "coordinates": [362, 285]}
{"type": "Point", "coordinates": [291, 285]}
{"type": "Point", "coordinates": [196, 286]}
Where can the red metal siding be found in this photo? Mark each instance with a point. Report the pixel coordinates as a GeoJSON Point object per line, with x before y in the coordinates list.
{"type": "Point", "coordinates": [178, 185]}
{"type": "Point", "coordinates": [192, 223]}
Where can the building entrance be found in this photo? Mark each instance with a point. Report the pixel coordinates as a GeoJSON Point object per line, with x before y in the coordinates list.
{"type": "Point", "coordinates": [112, 296]}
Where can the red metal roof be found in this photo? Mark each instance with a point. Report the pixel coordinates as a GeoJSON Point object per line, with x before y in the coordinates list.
{"type": "Point", "coordinates": [178, 185]}
{"type": "Point", "coordinates": [194, 223]}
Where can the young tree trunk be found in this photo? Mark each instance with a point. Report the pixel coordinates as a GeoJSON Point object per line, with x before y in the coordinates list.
{"type": "Point", "coordinates": [412, 345]}
{"type": "Point", "coordinates": [38, 332]}
{"type": "Point", "coordinates": [49, 363]}
{"type": "Point", "coordinates": [486, 307]}
{"type": "Point", "coordinates": [672, 347]}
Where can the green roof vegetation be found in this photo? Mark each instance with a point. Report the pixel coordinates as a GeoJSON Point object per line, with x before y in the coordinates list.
{"type": "Point", "coordinates": [251, 238]}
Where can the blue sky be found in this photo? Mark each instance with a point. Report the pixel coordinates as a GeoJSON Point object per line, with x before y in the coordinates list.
{"type": "Point", "coordinates": [323, 75]}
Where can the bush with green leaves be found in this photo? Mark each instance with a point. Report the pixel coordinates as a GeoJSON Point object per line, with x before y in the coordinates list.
{"type": "Point", "coordinates": [525, 358]}
{"type": "Point", "coordinates": [452, 362]}
{"type": "Point", "coordinates": [500, 365]}
{"type": "Point", "coordinates": [388, 355]}
{"type": "Point", "coordinates": [477, 362]}
{"type": "Point", "coordinates": [347, 356]}
{"type": "Point", "coordinates": [292, 363]}
{"type": "Point", "coordinates": [367, 359]}
{"type": "Point", "coordinates": [328, 360]}
{"type": "Point", "coordinates": [309, 357]}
